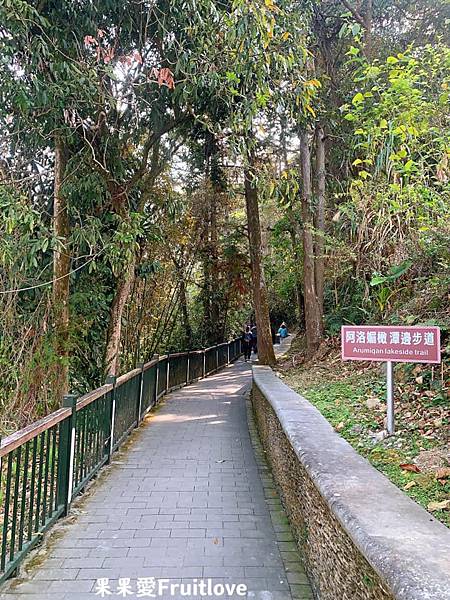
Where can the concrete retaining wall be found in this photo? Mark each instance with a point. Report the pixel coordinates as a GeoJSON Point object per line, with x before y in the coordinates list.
{"type": "Point", "coordinates": [362, 538]}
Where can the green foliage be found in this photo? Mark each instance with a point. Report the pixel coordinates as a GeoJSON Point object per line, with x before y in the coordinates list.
{"type": "Point", "coordinates": [399, 118]}
{"type": "Point", "coordinates": [158, 107]}
{"type": "Point", "coordinates": [398, 192]}
{"type": "Point", "coordinates": [24, 238]}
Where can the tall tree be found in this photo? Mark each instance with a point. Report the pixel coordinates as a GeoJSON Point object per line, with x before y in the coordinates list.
{"type": "Point", "coordinates": [266, 353]}
{"type": "Point", "coordinates": [319, 216]}
{"type": "Point", "coordinates": [61, 270]}
{"type": "Point", "coordinates": [313, 314]}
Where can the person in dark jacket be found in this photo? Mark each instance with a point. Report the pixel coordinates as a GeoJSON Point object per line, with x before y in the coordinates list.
{"type": "Point", "coordinates": [254, 339]}
{"type": "Point", "coordinates": [247, 343]}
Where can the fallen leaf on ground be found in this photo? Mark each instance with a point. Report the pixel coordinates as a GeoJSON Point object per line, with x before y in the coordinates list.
{"type": "Point", "coordinates": [340, 426]}
{"type": "Point", "coordinates": [443, 473]}
{"type": "Point", "coordinates": [372, 402]}
{"type": "Point", "coordinates": [409, 485]}
{"type": "Point", "coordinates": [444, 505]}
{"type": "Point", "coordinates": [410, 467]}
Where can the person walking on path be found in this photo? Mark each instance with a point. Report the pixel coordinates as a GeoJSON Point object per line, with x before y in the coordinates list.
{"type": "Point", "coordinates": [283, 331]}
{"type": "Point", "coordinates": [247, 343]}
{"type": "Point", "coordinates": [254, 339]}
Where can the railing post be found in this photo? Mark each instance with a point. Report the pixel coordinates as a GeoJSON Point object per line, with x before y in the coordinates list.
{"type": "Point", "coordinates": [217, 358]}
{"type": "Point", "coordinates": [168, 372]}
{"type": "Point", "coordinates": [155, 398]}
{"type": "Point", "coordinates": [228, 353]}
{"type": "Point", "coordinates": [140, 393]}
{"type": "Point", "coordinates": [204, 364]}
{"type": "Point", "coordinates": [111, 380]}
{"type": "Point", "coordinates": [66, 454]}
{"type": "Point", "coordinates": [187, 369]}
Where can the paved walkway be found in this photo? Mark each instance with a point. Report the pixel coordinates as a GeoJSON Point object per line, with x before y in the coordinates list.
{"type": "Point", "coordinates": [190, 498]}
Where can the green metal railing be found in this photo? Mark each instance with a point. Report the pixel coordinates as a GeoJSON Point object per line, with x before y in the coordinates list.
{"type": "Point", "coordinates": [46, 465]}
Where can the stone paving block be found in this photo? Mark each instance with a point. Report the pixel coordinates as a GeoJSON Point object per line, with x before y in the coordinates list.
{"type": "Point", "coordinates": [275, 583]}
{"type": "Point", "coordinates": [257, 584]}
{"type": "Point", "coordinates": [298, 578]}
{"type": "Point", "coordinates": [234, 573]}
{"type": "Point", "coordinates": [167, 542]}
{"type": "Point", "coordinates": [290, 557]}
{"type": "Point", "coordinates": [60, 552]}
{"type": "Point", "coordinates": [94, 574]}
{"type": "Point", "coordinates": [82, 563]}
{"type": "Point", "coordinates": [132, 562]}
{"type": "Point", "coordinates": [273, 572]}
{"type": "Point", "coordinates": [164, 510]}
{"type": "Point", "coordinates": [73, 542]}
{"type": "Point", "coordinates": [204, 560]}
{"type": "Point", "coordinates": [162, 560]}
{"type": "Point", "coordinates": [106, 534]}
{"type": "Point", "coordinates": [108, 552]}
{"type": "Point", "coordinates": [301, 592]}
{"type": "Point", "coordinates": [32, 588]}
{"type": "Point", "coordinates": [81, 586]}
{"type": "Point", "coordinates": [38, 596]}
{"type": "Point", "coordinates": [135, 542]}
{"type": "Point", "coordinates": [152, 533]}
{"type": "Point", "coordinates": [188, 533]}
{"type": "Point", "coordinates": [44, 574]}
{"type": "Point", "coordinates": [168, 524]}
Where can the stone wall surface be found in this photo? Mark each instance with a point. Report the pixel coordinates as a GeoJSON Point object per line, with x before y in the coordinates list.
{"type": "Point", "coordinates": [362, 537]}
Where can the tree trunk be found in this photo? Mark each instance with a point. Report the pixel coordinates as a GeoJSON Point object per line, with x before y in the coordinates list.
{"type": "Point", "coordinates": [319, 262]}
{"type": "Point", "coordinates": [187, 329]}
{"type": "Point", "coordinates": [313, 318]}
{"type": "Point", "coordinates": [266, 353]}
{"type": "Point", "coordinates": [61, 269]}
{"type": "Point", "coordinates": [294, 229]}
{"type": "Point", "coordinates": [299, 300]}
{"type": "Point", "coordinates": [212, 285]}
{"type": "Point", "coordinates": [185, 315]}
{"type": "Point", "coordinates": [123, 288]}
{"type": "Point", "coordinates": [368, 20]}
{"type": "Point", "coordinates": [215, 304]}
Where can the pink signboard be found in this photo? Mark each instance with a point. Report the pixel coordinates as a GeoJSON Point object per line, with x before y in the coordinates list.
{"type": "Point", "coordinates": [396, 344]}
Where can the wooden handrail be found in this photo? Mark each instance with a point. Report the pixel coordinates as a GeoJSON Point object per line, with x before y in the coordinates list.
{"type": "Point", "coordinates": [91, 396]}
{"type": "Point", "coordinates": [13, 441]}
{"type": "Point", "coordinates": [151, 363]}
{"type": "Point", "coordinates": [127, 376]}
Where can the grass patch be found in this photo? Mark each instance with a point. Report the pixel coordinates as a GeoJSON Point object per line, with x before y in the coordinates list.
{"type": "Point", "coordinates": [353, 401]}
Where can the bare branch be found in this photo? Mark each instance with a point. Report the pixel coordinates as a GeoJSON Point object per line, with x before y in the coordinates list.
{"type": "Point", "coordinates": [354, 12]}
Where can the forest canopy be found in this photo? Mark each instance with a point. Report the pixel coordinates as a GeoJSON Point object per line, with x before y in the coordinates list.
{"type": "Point", "coordinates": [170, 171]}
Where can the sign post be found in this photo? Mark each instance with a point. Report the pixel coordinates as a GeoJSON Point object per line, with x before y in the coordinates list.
{"type": "Point", "coordinates": [391, 344]}
{"type": "Point", "coordinates": [390, 397]}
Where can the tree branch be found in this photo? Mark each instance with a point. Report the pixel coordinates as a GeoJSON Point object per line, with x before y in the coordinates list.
{"type": "Point", "coordinates": [354, 12]}
{"type": "Point", "coordinates": [150, 142]}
